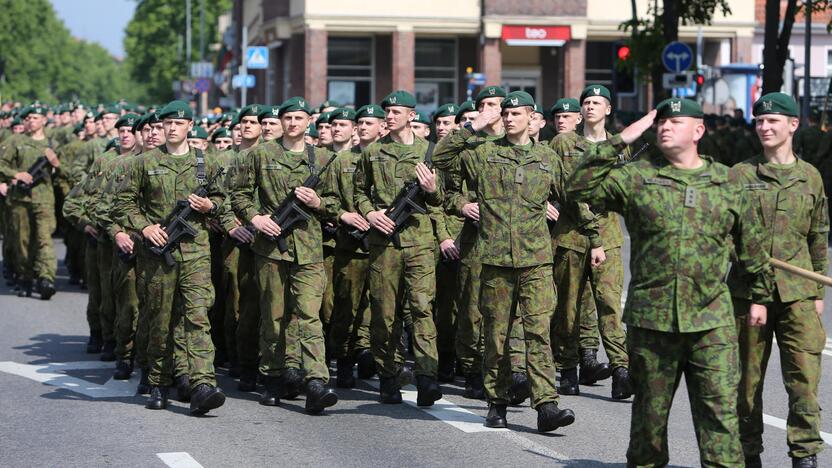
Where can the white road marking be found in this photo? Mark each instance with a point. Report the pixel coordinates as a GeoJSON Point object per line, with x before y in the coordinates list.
{"type": "Point", "coordinates": [50, 374]}
{"type": "Point", "coordinates": [781, 424]}
{"type": "Point", "coordinates": [179, 460]}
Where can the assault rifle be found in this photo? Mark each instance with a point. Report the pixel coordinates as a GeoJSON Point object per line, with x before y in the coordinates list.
{"type": "Point", "coordinates": [177, 226]}
{"type": "Point", "coordinates": [37, 171]}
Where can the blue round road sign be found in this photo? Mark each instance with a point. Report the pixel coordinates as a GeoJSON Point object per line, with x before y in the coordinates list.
{"type": "Point", "coordinates": [677, 57]}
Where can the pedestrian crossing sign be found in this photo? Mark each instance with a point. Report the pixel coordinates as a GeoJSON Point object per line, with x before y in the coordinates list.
{"type": "Point", "coordinates": [257, 57]}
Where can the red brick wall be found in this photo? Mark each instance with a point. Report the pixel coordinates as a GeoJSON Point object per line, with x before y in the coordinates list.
{"type": "Point", "coordinates": [574, 68]}
{"type": "Point", "coordinates": [491, 62]}
{"type": "Point", "coordinates": [315, 66]}
{"type": "Point", "coordinates": [760, 13]}
{"type": "Point", "coordinates": [404, 49]}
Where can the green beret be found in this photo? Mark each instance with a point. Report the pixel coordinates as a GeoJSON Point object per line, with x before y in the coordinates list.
{"type": "Point", "coordinates": [445, 110]}
{"type": "Point", "coordinates": [16, 121]}
{"type": "Point", "coordinates": [312, 131]}
{"type": "Point", "coordinates": [34, 109]}
{"type": "Point", "coordinates": [565, 105]}
{"type": "Point", "coordinates": [252, 110]}
{"type": "Point", "coordinates": [152, 118]}
{"type": "Point", "coordinates": [112, 144]}
{"type": "Point", "coordinates": [399, 98]}
{"type": "Point", "coordinates": [326, 104]}
{"type": "Point", "coordinates": [776, 103]}
{"type": "Point", "coordinates": [538, 109]}
{"type": "Point", "coordinates": [421, 118]}
{"type": "Point", "coordinates": [295, 104]}
{"type": "Point", "coordinates": [322, 119]}
{"type": "Point", "coordinates": [343, 113]}
{"type": "Point", "coordinates": [269, 112]}
{"type": "Point", "coordinates": [89, 115]}
{"type": "Point", "coordinates": [140, 123]}
{"type": "Point", "coordinates": [489, 92]}
{"type": "Point", "coordinates": [176, 110]}
{"type": "Point", "coordinates": [517, 99]}
{"type": "Point", "coordinates": [370, 110]}
{"type": "Point", "coordinates": [595, 90]}
{"type": "Point", "coordinates": [127, 120]}
{"type": "Point", "coordinates": [79, 105]}
{"type": "Point", "coordinates": [221, 132]}
{"type": "Point", "coordinates": [110, 110]}
{"type": "Point", "coordinates": [63, 109]}
{"type": "Point", "coordinates": [464, 108]}
{"type": "Point", "coordinates": [78, 129]}
{"type": "Point", "coordinates": [198, 132]}
{"type": "Point", "coordinates": [678, 107]}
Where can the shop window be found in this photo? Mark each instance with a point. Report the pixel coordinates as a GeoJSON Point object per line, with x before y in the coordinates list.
{"type": "Point", "coordinates": [350, 70]}
{"type": "Point", "coordinates": [435, 72]}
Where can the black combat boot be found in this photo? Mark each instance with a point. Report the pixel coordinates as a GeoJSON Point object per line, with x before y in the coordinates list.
{"type": "Point", "coordinates": [205, 398]}
{"type": "Point", "coordinates": [318, 396]}
{"type": "Point", "coordinates": [496, 415]}
{"type": "Point", "coordinates": [366, 364]}
{"type": "Point", "coordinates": [569, 382]}
{"type": "Point", "coordinates": [389, 391]}
{"type": "Point", "coordinates": [474, 388]}
{"type": "Point", "coordinates": [591, 370]}
{"type": "Point", "coordinates": [183, 388]}
{"type": "Point", "coordinates": [108, 351]}
{"type": "Point", "coordinates": [124, 369]}
{"type": "Point", "coordinates": [273, 389]}
{"type": "Point", "coordinates": [519, 390]}
{"type": "Point", "coordinates": [144, 385]}
{"type": "Point", "coordinates": [404, 377]}
{"type": "Point", "coordinates": [753, 461]}
{"type": "Point", "coordinates": [344, 377]}
{"type": "Point", "coordinates": [158, 398]}
{"type": "Point", "coordinates": [429, 390]}
{"type": "Point", "coordinates": [46, 289]}
{"type": "Point", "coordinates": [806, 462]}
{"type": "Point", "coordinates": [248, 380]}
{"type": "Point", "coordinates": [621, 386]}
{"type": "Point", "coordinates": [292, 383]}
{"type": "Point", "coordinates": [24, 289]}
{"type": "Point", "coordinates": [550, 417]}
{"type": "Point", "coordinates": [446, 372]}
{"type": "Point", "coordinates": [94, 344]}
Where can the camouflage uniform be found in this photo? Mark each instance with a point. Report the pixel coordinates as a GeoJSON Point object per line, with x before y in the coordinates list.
{"type": "Point", "coordinates": [182, 292]}
{"type": "Point", "coordinates": [399, 274]}
{"type": "Point", "coordinates": [572, 271]}
{"type": "Point", "coordinates": [807, 142]}
{"type": "Point", "coordinates": [75, 244]}
{"type": "Point", "coordinates": [291, 284]}
{"type": "Point", "coordinates": [791, 203]}
{"type": "Point", "coordinates": [678, 311]}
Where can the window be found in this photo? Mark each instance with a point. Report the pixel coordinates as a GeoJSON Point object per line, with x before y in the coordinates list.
{"type": "Point", "coordinates": [350, 70]}
{"type": "Point", "coordinates": [828, 62]}
{"type": "Point", "coordinates": [435, 67]}
{"type": "Point", "coordinates": [599, 62]}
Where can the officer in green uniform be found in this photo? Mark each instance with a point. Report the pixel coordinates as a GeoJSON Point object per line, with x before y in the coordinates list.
{"type": "Point", "coordinates": [514, 179]}
{"type": "Point", "coordinates": [405, 271]}
{"type": "Point", "coordinates": [787, 194]}
{"type": "Point", "coordinates": [221, 139]}
{"type": "Point", "coordinates": [594, 259]}
{"type": "Point", "coordinates": [421, 125]}
{"type": "Point", "coordinates": [181, 291]}
{"type": "Point", "coordinates": [679, 209]}
{"type": "Point", "coordinates": [290, 282]}
{"type": "Point", "coordinates": [444, 120]}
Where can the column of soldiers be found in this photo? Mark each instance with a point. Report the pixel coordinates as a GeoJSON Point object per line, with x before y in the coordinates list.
{"type": "Point", "coordinates": [272, 241]}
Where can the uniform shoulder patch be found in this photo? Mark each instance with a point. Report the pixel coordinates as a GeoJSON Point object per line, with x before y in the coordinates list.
{"type": "Point", "coordinates": [756, 186]}
{"type": "Point", "coordinates": [158, 171]}
{"type": "Point", "coordinates": [658, 181]}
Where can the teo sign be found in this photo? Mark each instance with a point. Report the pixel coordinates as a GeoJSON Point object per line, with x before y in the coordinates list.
{"type": "Point", "coordinates": [553, 36]}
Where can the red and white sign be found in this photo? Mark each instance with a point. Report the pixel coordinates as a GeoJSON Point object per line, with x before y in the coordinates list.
{"type": "Point", "coordinates": [554, 36]}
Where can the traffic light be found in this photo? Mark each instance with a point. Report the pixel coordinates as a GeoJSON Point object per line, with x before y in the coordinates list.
{"type": "Point", "coordinates": [623, 77]}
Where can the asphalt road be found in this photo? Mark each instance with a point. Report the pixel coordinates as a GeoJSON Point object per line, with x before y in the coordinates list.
{"type": "Point", "coordinates": [60, 408]}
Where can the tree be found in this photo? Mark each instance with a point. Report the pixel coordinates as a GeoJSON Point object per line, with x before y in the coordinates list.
{"type": "Point", "coordinates": [155, 42]}
{"type": "Point", "coordinates": [650, 35]}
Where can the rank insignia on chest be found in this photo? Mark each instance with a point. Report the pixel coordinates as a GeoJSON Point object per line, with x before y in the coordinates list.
{"type": "Point", "coordinates": [519, 175]}
{"type": "Point", "coordinates": [658, 181]}
{"type": "Point", "coordinates": [690, 197]}
{"type": "Point", "coordinates": [756, 186]}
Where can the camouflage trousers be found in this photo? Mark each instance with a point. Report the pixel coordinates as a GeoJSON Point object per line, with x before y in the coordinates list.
{"type": "Point", "coordinates": [710, 363]}
{"type": "Point", "coordinates": [800, 340]}
{"type": "Point", "coordinates": [216, 315]}
{"type": "Point", "coordinates": [230, 257]}
{"type": "Point", "coordinates": [34, 253]}
{"type": "Point", "coordinates": [506, 295]}
{"type": "Point", "coordinates": [572, 273]}
{"type": "Point", "coordinates": [181, 294]}
{"type": "Point", "coordinates": [7, 229]}
{"type": "Point", "coordinates": [75, 255]}
{"type": "Point", "coordinates": [107, 304]}
{"type": "Point", "coordinates": [180, 355]}
{"type": "Point", "coordinates": [93, 285]}
{"type": "Point", "coordinates": [290, 290]}
{"type": "Point", "coordinates": [589, 321]}
{"type": "Point", "coordinates": [445, 306]}
{"type": "Point", "coordinates": [469, 339]}
{"type": "Point", "coordinates": [350, 326]}
{"type": "Point", "coordinates": [328, 301]}
{"type": "Point", "coordinates": [127, 308]}
{"type": "Point", "coordinates": [403, 277]}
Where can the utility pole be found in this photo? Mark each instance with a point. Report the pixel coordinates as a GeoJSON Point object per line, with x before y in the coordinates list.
{"type": "Point", "coordinates": [188, 33]}
{"type": "Point", "coordinates": [244, 67]}
{"type": "Point", "coordinates": [807, 64]}
{"type": "Point", "coordinates": [203, 97]}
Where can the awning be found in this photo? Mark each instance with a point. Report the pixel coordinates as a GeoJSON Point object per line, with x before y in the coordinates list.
{"type": "Point", "coordinates": [552, 36]}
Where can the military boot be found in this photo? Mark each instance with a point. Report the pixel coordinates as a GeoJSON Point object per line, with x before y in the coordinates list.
{"type": "Point", "coordinates": [46, 289]}
{"type": "Point", "coordinates": [124, 369]}
{"type": "Point", "coordinates": [292, 383]}
{"type": "Point", "coordinates": [389, 391]}
{"type": "Point", "coordinates": [569, 382]}
{"type": "Point", "coordinates": [94, 344]}
{"type": "Point", "coordinates": [447, 371]}
{"type": "Point", "coordinates": [144, 385]}
{"type": "Point", "coordinates": [248, 380]}
{"type": "Point", "coordinates": [753, 461]}
{"type": "Point", "coordinates": [205, 398]}
{"type": "Point", "coordinates": [108, 351]}
{"type": "Point", "coordinates": [621, 386]}
{"type": "Point", "coordinates": [550, 417]}
{"type": "Point", "coordinates": [474, 388]}
{"type": "Point", "coordinates": [496, 417]}
{"type": "Point", "coordinates": [429, 390]}
{"type": "Point", "coordinates": [158, 398]}
{"type": "Point", "coordinates": [24, 289]}
{"type": "Point", "coordinates": [519, 390]}
{"type": "Point", "coordinates": [344, 377]}
{"type": "Point", "coordinates": [183, 388]}
{"type": "Point", "coordinates": [271, 394]}
{"type": "Point", "coordinates": [366, 364]}
{"type": "Point", "coordinates": [318, 397]}
{"type": "Point", "coordinates": [404, 377]}
{"type": "Point", "coordinates": [806, 462]}
{"type": "Point", "coordinates": [591, 370]}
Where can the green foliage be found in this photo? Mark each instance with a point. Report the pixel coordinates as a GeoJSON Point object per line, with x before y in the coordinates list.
{"type": "Point", "coordinates": [39, 59]}
{"type": "Point", "coordinates": [155, 42]}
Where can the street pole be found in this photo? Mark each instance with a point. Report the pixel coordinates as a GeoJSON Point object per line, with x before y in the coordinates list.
{"type": "Point", "coordinates": [807, 64]}
{"type": "Point", "coordinates": [188, 33]}
{"type": "Point", "coordinates": [203, 97]}
{"type": "Point", "coordinates": [244, 67]}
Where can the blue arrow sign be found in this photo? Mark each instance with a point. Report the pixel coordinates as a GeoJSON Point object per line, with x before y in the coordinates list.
{"type": "Point", "coordinates": [677, 57]}
{"type": "Point", "coordinates": [257, 57]}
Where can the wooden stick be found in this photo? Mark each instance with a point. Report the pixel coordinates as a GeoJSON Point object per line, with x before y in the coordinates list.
{"type": "Point", "coordinates": [816, 277]}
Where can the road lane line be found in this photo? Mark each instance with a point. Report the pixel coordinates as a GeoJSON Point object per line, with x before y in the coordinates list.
{"type": "Point", "coordinates": [781, 424]}
{"type": "Point", "coordinates": [179, 460]}
{"type": "Point", "coordinates": [46, 374]}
